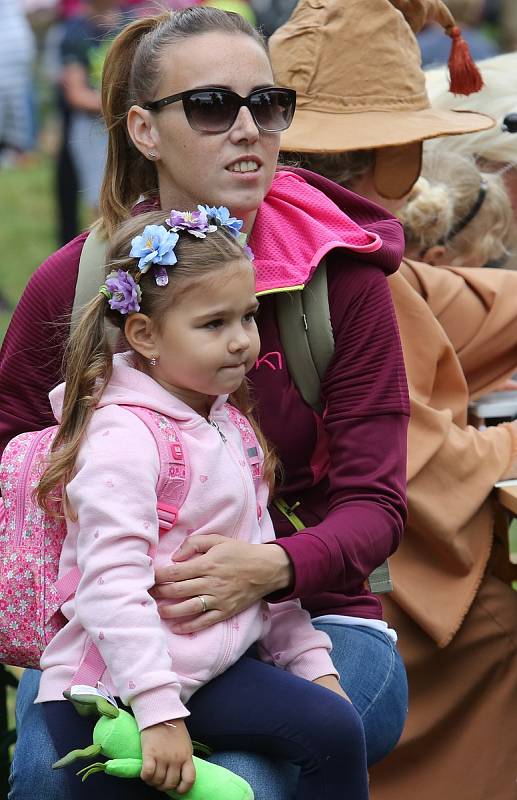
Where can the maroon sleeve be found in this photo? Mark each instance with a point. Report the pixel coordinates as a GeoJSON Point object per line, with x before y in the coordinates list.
{"type": "Point", "coordinates": [366, 423]}
{"type": "Point", "coordinates": [32, 350]}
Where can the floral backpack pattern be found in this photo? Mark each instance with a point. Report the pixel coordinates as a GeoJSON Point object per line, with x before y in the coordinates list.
{"type": "Point", "coordinates": [31, 539]}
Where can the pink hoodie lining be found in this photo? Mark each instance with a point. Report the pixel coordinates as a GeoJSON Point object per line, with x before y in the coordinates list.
{"type": "Point", "coordinates": [297, 226]}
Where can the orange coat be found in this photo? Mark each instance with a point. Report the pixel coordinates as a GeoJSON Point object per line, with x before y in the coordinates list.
{"type": "Point", "coordinates": [455, 617]}
{"type": "Point", "coordinates": [459, 336]}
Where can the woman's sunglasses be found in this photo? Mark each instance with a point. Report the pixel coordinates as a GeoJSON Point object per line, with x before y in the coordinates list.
{"type": "Point", "coordinates": [215, 110]}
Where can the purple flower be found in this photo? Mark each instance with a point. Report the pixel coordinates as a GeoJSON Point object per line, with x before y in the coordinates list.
{"type": "Point", "coordinates": [249, 252]}
{"type": "Point", "coordinates": [154, 246]}
{"type": "Point", "coordinates": [161, 276]}
{"type": "Point", "coordinates": [194, 222]}
{"type": "Point", "coordinates": [222, 216]}
{"type": "Point", "coordinates": [125, 293]}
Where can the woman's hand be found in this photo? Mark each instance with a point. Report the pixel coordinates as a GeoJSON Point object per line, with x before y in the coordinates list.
{"type": "Point", "coordinates": [332, 683]}
{"type": "Point", "coordinates": [230, 576]}
{"type": "Point", "coordinates": [167, 757]}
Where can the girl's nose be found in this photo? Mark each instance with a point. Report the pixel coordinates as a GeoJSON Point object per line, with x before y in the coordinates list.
{"type": "Point", "coordinates": [239, 341]}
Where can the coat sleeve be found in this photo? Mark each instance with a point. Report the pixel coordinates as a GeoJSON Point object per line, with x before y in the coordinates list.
{"type": "Point", "coordinates": [114, 496]}
{"type": "Point", "coordinates": [477, 310]}
{"type": "Point", "coordinates": [365, 422]}
{"type": "Point", "coordinates": [32, 350]}
{"type": "Point", "coordinates": [452, 468]}
{"type": "Point", "coordinates": [292, 642]}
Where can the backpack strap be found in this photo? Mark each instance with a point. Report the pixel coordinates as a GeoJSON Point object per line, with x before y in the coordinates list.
{"type": "Point", "coordinates": [174, 480]}
{"type": "Point", "coordinates": [172, 488]}
{"type": "Point", "coordinates": [91, 272]}
{"type": "Point", "coordinates": [249, 442]}
{"type": "Point", "coordinates": [308, 342]}
{"type": "Point", "coordinates": [306, 334]}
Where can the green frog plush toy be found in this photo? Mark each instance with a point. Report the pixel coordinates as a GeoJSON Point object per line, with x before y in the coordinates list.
{"type": "Point", "coordinates": [116, 736]}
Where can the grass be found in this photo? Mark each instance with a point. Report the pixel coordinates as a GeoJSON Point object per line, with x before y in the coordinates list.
{"type": "Point", "coordinates": [27, 236]}
{"type": "Point", "coordinates": [27, 227]}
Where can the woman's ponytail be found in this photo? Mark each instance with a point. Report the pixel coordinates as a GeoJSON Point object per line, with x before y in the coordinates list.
{"type": "Point", "coordinates": [127, 174]}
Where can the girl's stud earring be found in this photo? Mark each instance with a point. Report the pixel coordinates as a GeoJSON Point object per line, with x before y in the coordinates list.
{"type": "Point", "coordinates": [152, 156]}
{"type": "Point", "coordinates": [153, 360]}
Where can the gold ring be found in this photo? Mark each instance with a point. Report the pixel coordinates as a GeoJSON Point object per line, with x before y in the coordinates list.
{"type": "Point", "coordinates": [204, 606]}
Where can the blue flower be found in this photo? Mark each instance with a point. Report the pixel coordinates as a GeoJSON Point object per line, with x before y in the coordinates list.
{"type": "Point", "coordinates": [222, 217]}
{"type": "Point", "coordinates": [154, 246]}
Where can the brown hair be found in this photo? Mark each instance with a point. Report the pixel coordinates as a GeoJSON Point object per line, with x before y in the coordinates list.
{"type": "Point", "coordinates": [131, 73]}
{"type": "Point", "coordinates": [343, 168]}
{"type": "Point", "coordinates": [88, 357]}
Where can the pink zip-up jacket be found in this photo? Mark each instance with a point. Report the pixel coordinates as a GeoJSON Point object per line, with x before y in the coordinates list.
{"type": "Point", "coordinates": [116, 546]}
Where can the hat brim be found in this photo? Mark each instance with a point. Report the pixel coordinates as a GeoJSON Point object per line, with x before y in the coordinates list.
{"type": "Point", "coordinates": [319, 131]}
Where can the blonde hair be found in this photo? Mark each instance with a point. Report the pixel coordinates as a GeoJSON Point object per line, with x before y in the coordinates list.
{"type": "Point", "coordinates": [446, 192]}
{"type": "Point", "coordinates": [89, 356]}
{"type": "Point", "coordinates": [497, 98]}
{"type": "Point", "coordinates": [131, 73]}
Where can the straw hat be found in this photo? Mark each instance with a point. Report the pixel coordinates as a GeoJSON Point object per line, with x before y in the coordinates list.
{"type": "Point", "coordinates": [356, 68]}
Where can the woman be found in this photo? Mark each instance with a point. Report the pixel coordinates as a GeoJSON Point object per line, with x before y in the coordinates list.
{"type": "Point", "coordinates": [191, 142]}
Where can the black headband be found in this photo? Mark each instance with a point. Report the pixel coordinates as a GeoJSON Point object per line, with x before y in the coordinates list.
{"type": "Point", "coordinates": [464, 221]}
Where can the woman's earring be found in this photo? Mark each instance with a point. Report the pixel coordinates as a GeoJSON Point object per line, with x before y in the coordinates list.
{"type": "Point", "coordinates": [152, 156]}
{"type": "Point", "coordinates": [153, 360]}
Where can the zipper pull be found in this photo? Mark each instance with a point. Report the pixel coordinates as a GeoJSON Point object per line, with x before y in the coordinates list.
{"type": "Point", "coordinates": [214, 424]}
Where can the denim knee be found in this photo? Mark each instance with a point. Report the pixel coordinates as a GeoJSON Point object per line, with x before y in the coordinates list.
{"type": "Point", "coordinates": [34, 753]}
{"type": "Point", "coordinates": [374, 677]}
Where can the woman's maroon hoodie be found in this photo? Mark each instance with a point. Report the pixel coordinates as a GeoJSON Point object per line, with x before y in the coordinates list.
{"type": "Point", "coordinates": [353, 502]}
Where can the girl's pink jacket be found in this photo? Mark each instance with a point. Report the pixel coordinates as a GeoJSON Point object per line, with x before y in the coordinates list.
{"type": "Point", "coordinates": [116, 546]}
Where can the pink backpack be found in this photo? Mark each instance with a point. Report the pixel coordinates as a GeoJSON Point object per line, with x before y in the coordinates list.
{"type": "Point", "coordinates": [31, 540]}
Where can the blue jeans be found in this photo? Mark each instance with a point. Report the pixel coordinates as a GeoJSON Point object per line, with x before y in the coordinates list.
{"type": "Point", "coordinates": [372, 674]}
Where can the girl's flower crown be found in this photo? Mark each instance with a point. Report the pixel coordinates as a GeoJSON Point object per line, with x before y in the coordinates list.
{"type": "Point", "coordinates": [155, 247]}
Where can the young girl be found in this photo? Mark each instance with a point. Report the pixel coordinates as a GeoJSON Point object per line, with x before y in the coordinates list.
{"type": "Point", "coordinates": [182, 291]}
{"type": "Point", "coordinates": [457, 215]}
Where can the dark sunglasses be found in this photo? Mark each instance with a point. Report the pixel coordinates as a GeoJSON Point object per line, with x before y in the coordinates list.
{"type": "Point", "coordinates": [215, 110]}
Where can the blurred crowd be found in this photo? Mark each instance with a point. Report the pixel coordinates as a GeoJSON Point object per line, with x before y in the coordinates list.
{"type": "Point", "coordinates": [51, 56]}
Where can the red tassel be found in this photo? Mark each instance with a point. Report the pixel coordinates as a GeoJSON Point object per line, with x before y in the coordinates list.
{"type": "Point", "coordinates": [465, 77]}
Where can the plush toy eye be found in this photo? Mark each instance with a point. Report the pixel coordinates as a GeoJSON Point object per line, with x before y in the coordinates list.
{"type": "Point", "coordinates": [510, 123]}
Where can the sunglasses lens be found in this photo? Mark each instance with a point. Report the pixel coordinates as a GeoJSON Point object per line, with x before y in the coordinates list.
{"type": "Point", "coordinates": [273, 109]}
{"type": "Point", "coordinates": [211, 111]}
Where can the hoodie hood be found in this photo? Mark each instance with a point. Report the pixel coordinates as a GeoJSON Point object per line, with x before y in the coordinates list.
{"type": "Point", "coordinates": [303, 218]}
{"type": "Point", "coordinates": [129, 386]}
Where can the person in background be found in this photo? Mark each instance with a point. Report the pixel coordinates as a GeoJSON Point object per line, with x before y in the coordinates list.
{"type": "Point", "coordinates": [468, 15]}
{"type": "Point", "coordinates": [456, 215]}
{"type": "Point", "coordinates": [455, 612]}
{"type": "Point", "coordinates": [494, 149]}
{"type": "Point", "coordinates": [17, 52]}
{"type": "Point", "coordinates": [86, 37]}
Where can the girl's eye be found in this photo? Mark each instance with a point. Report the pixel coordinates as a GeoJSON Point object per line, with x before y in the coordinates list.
{"type": "Point", "coordinates": [250, 316]}
{"type": "Point", "coordinates": [214, 323]}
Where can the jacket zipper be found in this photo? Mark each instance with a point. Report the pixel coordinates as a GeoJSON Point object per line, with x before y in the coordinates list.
{"type": "Point", "coordinates": [225, 657]}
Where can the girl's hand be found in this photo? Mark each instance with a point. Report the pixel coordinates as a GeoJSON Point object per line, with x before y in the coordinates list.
{"type": "Point", "coordinates": [332, 683]}
{"type": "Point", "coordinates": [229, 575]}
{"type": "Point", "coordinates": [167, 757]}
